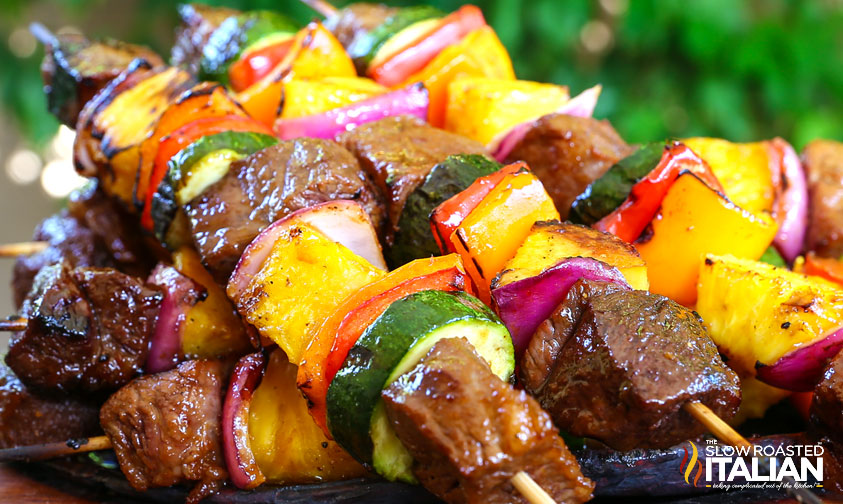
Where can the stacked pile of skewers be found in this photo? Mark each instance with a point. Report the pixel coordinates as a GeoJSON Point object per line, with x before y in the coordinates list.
{"type": "Point", "coordinates": [362, 247]}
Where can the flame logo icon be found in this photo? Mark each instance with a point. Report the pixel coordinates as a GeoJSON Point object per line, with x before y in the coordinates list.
{"type": "Point", "coordinates": [688, 466]}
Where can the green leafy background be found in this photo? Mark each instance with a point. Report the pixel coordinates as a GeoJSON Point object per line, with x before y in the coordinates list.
{"type": "Point", "coordinates": [739, 70]}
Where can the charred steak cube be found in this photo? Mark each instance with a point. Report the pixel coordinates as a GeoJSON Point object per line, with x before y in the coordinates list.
{"type": "Point", "coordinates": [88, 331]}
{"type": "Point", "coordinates": [267, 186]}
{"type": "Point", "coordinates": [27, 418]}
{"type": "Point", "coordinates": [568, 153]}
{"type": "Point", "coordinates": [619, 366]}
{"type": "Point", "coordinates": [399, 152]}
{"type": "Point", "coordinates": [470, 433]}
{"type": "Point", "coordinates": [824, 169]}
{"type": "Point", "coordinates": [165, 428]}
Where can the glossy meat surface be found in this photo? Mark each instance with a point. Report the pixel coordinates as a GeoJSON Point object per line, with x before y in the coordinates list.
{"type": "Point", "coordinates": [89, 330]}
{"type": "Point", "coordinates": [27, 418]}
{"type": "Point", "coordinates": [198, 22]}
{"type": "Point", "coordinates": [568, 153]}
{"type": "Point", "coordinates": [470, 432]}
{"type": "Point", "coordinates": [356, 20]}
{"type": "Point", "coordinates": [165, 428]}
{"type": "Point", "coordinates": [618, 366]}
{"type": "Point", "coordinates": [824, 169]}
{"type": "Point", "coordinates": [398, 153]}
{"type": "Point", "coordinates": [267, 186]}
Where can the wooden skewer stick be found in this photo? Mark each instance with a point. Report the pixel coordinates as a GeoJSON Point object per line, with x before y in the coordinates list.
{"type": "Point", "coordinates": [13, 325]}
{"type": "Point", "coordinates": [725, 433]}
{"type": "Point", "coordinates": [43, 34]}
{"type": "Point", "coordinates": [22, 248]}
{"type": "Point", "coordinates": [321, 6]}
{"type": "Point", "coordinates": [530, 489]}
{"type": "Point", "coordinates": [53, 450]}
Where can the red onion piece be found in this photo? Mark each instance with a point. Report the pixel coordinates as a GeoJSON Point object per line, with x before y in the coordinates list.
{"type": "Point", "coordinates": [791, 201]}
{"type": "Point", "coordinates": [239, 459]}
{"type": "Point", "coordinates": [523, 305]}
{"type": "Point", "coordinates": [412, 100]}
{"type": "Point", "coordinates": [343, 221]}
{"type": "Point", "coordinates": [581, 105]}
{"type": "Point", "coordinates": [800, 370]}
{"type": "Point", "coordinates": [180, 295]}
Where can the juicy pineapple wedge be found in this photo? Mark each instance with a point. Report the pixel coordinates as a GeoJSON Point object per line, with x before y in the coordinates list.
{"type": "Point", "coordinates": [288, 445]}
{"type": "Point", "coordinates": [756, 312]}
{"type": "Point", "coordinates": [551, 242]}
{"type": "Point", "coordinates": [302, 281]}
{"type": "Point", "coordinates": [484, 109]}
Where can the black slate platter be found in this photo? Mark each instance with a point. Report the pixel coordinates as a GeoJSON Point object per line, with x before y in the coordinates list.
{"type": "Point", "coordinates": [650, 476]}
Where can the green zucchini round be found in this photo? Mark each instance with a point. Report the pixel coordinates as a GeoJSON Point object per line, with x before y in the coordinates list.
{"type": "Point", "coordinates": [607, 193]}
{"type": "Point", "coordinates": [181, 174]}
{"type": "Point", "coordinates": [394, 343]}
{"type": "Point", "coordinates": [414, 239]}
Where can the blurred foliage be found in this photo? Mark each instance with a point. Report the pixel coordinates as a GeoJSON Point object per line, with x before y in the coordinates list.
{"type": "Point", "coordinates": [738, 70]}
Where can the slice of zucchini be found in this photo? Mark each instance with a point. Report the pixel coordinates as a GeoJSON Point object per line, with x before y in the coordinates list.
{"type": "Point", "coordinates": [391, 346]}
{"type": "Point", "coordinates": [364, 48]}
{"type": "Point", "coordinates": [235, 35]}
{"type": "Point", "coordinates": [414, 239]}
{"type": "Point", "coordinates": [195, 168]}
{"type": "Point", "coordinates": [607, 193]}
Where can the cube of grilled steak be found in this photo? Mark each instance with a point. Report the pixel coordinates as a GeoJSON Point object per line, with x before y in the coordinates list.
{"type": "Point", "coordinates": [198, 22]}
{"type": "Point", "coordinates": [165, 428]}
{"type": "Point", "coordinates": [267, 186]}
{"type": "Point", "coordinates": [568, 153]}
{"type": "Point", "coordinates": [619, 366]}
{"type": "Point", "coordinates": [469, 432]}
{"type": "Point", "coordinates": [824, 169]}
{"type": "Point", "coordinates": [399, 152]}
{"type": "Point", "coordinates": [356, 20]}
{"type": "Point", "coordinates": [116, 229]}
{"type": "Point", "coordinates": [75, 69]}
{"type": "Point", "coordinates": [827, 404]}
{"type": "Point", "coordinates": [89, 330]}
{"type": "Point", "coordinates": [27, 418]}
{"type": "Point", "coordinates": [68, 240]}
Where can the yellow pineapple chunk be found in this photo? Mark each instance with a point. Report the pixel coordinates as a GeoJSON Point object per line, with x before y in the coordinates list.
{"type": "Point", "coordinates": [756, 398]}
{"type": "Point", "coordinates": [550, 242]}
{"type": "Point", "coordinates": [483, 109]}
{"type": "Point", "coordinates": [307, 97]}
{"type": "Point", "coordinates": [742, 168]}
{"type": "Point", "coordinates": [301, 282]}
{"type": "Point", "coordinates": [288, 445]}
{"type": "Point", "coordinates": [756, 312]}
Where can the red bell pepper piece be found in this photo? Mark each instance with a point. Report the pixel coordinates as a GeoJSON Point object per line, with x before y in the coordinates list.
{"type": "Point", "coordinates": [630, 219]}
{"type": "Point", "coordinates": [420, 52]}
{"type": "Point", "coordinates": [447, 217]}
{"type": "Point", "coordinates": [327, 351]}
{"type": "Point", "coordinates": [255, 65]}
{"type": "Point", "coordinates": [830, 269]}
{"type": "Point", "coordinates": [171, 144]}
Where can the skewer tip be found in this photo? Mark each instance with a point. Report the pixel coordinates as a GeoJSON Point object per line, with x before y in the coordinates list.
{"type": "Point", "coordinates": [321, 6]}
{"type": "Point", "coordinates": [42, 34]}
{"type": "Point", "coordinates": [14, 324]}
{"type": "Point", "coordinates": [22, 248]}
{"type": "Point", "coordinates": [531, 490]}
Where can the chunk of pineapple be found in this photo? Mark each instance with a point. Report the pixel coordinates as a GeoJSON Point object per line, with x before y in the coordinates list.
{"type": "Point", "coordinates": [756, 312]}
{"type": "Point", "coordinates": [288, 445]}
{"type": "Point", "coordinates": [301, 282]}
{"type": "Point", "coordinates": [550, 242]}
{"type": "Point", "coordinates": [482, 108]}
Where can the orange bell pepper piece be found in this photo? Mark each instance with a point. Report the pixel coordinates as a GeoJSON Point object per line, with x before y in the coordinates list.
{"type": "Point", "coordinates": [696, 220]}
{"type": "Point", "coordinates": [479, 54]}
{"type": "Point", "coordinates": [328, 349]}
{"type": "Point", "coordinates": [204, 100]}
{"type": "Point", "coordinates": [315, 53]}
{"type": "Point", "coordinates": [491, 234]}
